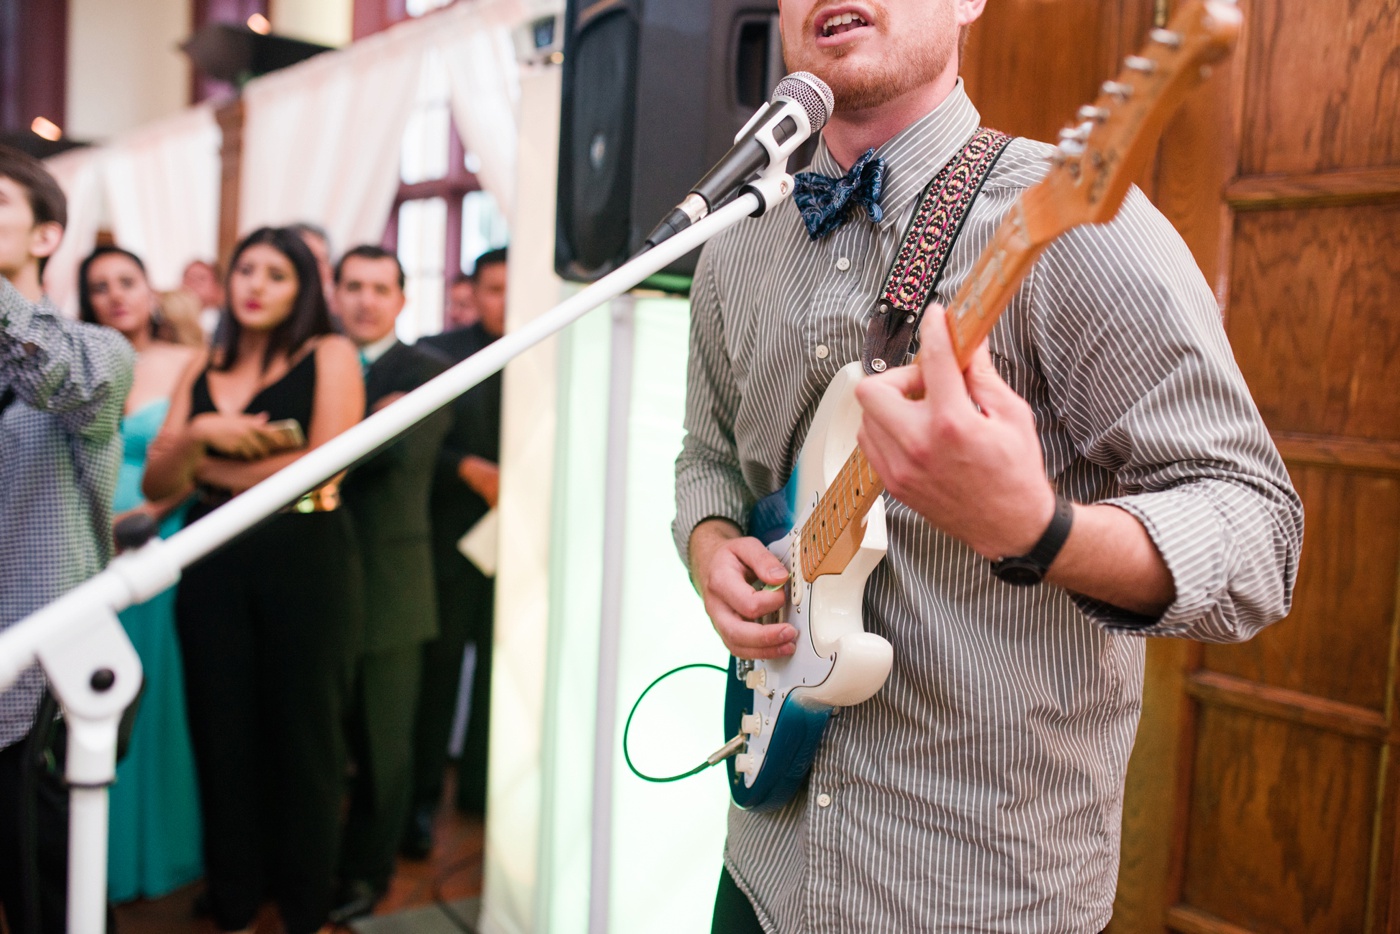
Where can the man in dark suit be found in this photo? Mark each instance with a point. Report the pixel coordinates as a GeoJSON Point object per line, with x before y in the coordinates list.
{"type": "Point", "coordinates": [464, 489]}
{"type": "Point", "coordinates": [388, 499]}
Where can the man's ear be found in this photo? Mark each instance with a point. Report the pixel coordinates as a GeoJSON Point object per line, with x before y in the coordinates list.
{"type": "Point", "coordinates": [44, 239]}
{"type": "Point", "coordinates": [968, 11]}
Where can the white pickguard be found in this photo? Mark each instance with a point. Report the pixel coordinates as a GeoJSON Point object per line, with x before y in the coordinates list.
{"type": "Point", "coordinates": [837, 663]}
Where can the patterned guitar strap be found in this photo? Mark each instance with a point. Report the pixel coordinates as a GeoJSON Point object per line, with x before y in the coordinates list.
{"type": "Point", "coordinates": [929, 239]}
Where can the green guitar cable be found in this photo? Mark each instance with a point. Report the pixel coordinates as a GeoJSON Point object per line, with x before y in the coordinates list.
{"type": "Point", "coordinates": [719, 755]}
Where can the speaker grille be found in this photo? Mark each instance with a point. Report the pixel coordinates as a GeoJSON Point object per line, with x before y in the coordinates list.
{"type": "Point", "coordinates": [810, 93]}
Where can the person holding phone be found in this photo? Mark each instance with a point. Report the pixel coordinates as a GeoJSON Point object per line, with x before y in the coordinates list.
{"type": "Point", "coordinates": [269, 623]}
{"type": "Point", "coordinates": [154, 844]}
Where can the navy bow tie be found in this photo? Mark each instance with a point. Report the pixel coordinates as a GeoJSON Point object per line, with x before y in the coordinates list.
{"type": "Point", "coordinates": [826, 203]}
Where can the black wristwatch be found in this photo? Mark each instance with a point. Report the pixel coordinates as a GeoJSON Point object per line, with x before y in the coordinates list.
{"type": "Point", "coordinates": [1030, 568]}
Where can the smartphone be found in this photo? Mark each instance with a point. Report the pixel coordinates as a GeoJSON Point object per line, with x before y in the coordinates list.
{"type": "Point", "coordinates": [288, 433]}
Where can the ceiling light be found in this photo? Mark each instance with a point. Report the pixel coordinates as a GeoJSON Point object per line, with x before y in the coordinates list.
{"type": "Point", "coordinates": [43, 126]}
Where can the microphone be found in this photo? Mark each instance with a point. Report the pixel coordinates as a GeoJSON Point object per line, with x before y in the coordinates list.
{"type": "Point", "coordinates": [800, 107]}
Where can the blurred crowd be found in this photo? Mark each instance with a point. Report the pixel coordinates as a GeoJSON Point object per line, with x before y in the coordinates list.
{"type": "Point", "coordinates": [307, 684]}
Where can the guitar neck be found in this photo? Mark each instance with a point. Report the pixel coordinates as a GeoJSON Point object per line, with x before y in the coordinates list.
{"type": "Point", "coordinates": [830, 536]}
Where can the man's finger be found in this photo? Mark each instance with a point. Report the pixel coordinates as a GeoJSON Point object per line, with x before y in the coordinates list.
{"type": "Point", "coordinates": [942, 375]}
{"type": "Point", "coordinates": [985, 385]}
{"type": "Point", "coordinates": [739, 596]}
{"type": "Point", "coordinates": [756, 557]}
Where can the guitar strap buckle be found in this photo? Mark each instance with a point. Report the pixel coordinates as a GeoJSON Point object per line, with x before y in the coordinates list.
{"type": "Point", "coordinates": [918, 266]}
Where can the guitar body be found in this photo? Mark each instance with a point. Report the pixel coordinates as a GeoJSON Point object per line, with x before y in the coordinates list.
{"type": "Point", "coordinates": [782, 705]}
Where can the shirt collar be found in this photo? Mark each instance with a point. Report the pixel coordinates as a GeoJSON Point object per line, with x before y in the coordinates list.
{"type": "Point", "coordinates": [372, 352]}
{"type": "Point", "coordinates": [916, 153]}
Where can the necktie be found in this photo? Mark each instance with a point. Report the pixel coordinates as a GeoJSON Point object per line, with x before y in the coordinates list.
{"type": "Point", "coordinates": [827, 203]}
{"type": "Point", "coordinates": [364, 363]}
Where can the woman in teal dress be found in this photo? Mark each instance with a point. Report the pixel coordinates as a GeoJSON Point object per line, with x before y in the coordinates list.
{"type": "Point", "coordinates": [155, 844]}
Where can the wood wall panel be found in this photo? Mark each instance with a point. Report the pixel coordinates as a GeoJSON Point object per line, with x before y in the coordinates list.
{"type": "Point", "coordinates": [1313, 299]}
{"type": "Point", "coordinates": [1034, 86]}
{"type": "Point", "coordinates": [1335, 642]}
{"type": "Point", "coordinates": [1299, 123]}
{"type": "Point", "coordinates": [1280, 826]}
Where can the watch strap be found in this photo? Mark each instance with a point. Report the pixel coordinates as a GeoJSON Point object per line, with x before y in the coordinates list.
{"type": "Point", "coordinates": [1037, 561]}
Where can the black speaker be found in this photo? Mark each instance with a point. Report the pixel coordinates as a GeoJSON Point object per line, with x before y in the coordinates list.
{"type": "Point", "coordinates": [654, 93]}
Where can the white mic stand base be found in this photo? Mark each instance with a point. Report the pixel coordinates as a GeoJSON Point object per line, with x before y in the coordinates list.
{"type": "Point", "coordinates": [95, 674]}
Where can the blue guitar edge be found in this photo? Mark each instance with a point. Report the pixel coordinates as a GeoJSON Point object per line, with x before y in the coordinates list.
{"type": "Point", "coordinates": [799, 726]}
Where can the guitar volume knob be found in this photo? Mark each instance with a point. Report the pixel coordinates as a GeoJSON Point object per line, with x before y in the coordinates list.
{"type": "Point", "coordinates": [743, 763]}
{"type": "Point", "coordinates": [751, 723]}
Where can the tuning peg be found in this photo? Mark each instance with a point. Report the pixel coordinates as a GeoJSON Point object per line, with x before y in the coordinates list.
{"type": "Point", "coordinates": [1079, 133]}
{"type": "Point", "coordinates": [1090, 112]}
{"type": "Point", "coordinates": [1069, 149]}
{"type": "Point", "coordinates": [1138, 63]}
{"type": "Point", "coordinates": [1166, 37]}
{"type": "Point", "coordinates": [1118, 89]}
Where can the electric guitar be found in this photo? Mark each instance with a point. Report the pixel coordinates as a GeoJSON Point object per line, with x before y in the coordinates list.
{"type": "Point", "coordinates": [828, 524]}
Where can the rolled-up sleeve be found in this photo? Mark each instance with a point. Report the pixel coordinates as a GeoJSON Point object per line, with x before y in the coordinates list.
{"type": "Point", "coordinates": [78, 373]}
{"type": "Point", "coordinates": [1142, 375]}
{"type": "Point", "coordinates": [709, 483]}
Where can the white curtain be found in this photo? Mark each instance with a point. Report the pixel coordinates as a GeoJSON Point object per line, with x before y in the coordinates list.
{"type": "Point", "coordinates": [78, 173]}
{"type": "Point", "coordinates": [162, 188]}
{"type": "Point", "coordinates": [321, 140]}
{"type": "Point", "coordinates": [476, 45]}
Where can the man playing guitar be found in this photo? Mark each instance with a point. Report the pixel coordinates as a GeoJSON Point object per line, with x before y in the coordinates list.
{"type": "Point", "coordinates": [981, 789]}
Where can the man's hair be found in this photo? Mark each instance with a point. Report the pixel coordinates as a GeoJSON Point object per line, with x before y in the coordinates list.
{"type": "Point", "coordinates": [46, 199]}
{"type": "Point", "coordinates": [366, 251]}
{"type": "Point", "coordinates": [489, 258]}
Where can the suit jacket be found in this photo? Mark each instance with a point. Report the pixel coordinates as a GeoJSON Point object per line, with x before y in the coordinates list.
{"type": "Point", "coordinates": [388, 499]}
{"type": "Point", "coordinates": [476, 429]}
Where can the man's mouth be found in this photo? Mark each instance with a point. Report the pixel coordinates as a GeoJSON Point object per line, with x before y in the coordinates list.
{"type": "Point", "coordinates": [840, 22]}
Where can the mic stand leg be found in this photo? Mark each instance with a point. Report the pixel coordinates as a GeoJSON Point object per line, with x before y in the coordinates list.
{"type": "Point", "coordinates": [95, 673]}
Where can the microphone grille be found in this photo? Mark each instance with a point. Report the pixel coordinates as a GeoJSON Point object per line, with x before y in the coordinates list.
{"type": "Point", "coordinates": [810, 93]}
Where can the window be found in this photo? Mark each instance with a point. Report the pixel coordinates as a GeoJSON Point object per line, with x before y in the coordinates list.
{"type": "Point", "coordinates": [442, 220]}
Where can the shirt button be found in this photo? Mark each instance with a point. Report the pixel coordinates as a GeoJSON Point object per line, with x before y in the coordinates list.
{"type": "Point", "coordinates": [843, 264]}
{"type": "Point", "coordinates": [822, 351]}
{"type": "Point", "coordinates": [823, 800]}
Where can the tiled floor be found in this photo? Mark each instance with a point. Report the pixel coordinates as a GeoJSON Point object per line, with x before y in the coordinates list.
{"type": "Point", "coordinates": [451, 874]}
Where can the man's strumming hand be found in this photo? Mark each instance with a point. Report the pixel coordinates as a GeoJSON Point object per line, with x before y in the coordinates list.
{"type": "Point", "coordinates": [725, 566]}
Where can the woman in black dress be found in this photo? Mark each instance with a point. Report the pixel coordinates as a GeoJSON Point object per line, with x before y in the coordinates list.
{"type": "Point", "coordinates": [268, 622]}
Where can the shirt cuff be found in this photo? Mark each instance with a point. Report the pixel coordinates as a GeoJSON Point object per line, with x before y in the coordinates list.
{"type": "Point", "coordinates": [713, 502]}
{"type": "Point", "coordinates": [1187, 531]}
{"type": "Point", "coordinates": [16, 317]}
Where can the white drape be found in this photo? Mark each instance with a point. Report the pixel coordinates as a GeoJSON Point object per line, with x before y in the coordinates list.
{"type": "Point", "coordinates": [78, 173]}
{"type": "Point", "coordinates": [485, 88]}
{"type": "Point", "coordinates": [162, 189]}
{"type": "Point", "coordinates": [321, 140]}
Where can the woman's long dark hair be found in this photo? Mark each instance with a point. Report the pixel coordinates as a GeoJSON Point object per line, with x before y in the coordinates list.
{"type": "Point", "coordinates": [85, 310]}
{"type": "Point", "coordinates": [310, 316]}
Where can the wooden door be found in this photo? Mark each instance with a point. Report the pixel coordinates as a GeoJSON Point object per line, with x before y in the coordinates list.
{"type": "Point", "coordinates": [1262, 795]}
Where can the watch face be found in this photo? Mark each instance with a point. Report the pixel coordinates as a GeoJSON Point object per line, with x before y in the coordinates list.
{"type": "Point", "coordinates": [1018, 571]}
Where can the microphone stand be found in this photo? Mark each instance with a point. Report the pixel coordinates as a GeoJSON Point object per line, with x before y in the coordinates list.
{"type": "Point", "coordinates": [91, 666]}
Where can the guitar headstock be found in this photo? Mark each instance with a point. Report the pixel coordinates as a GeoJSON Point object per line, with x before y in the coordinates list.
{"type": "Point", "coordinates": [1114, 137]}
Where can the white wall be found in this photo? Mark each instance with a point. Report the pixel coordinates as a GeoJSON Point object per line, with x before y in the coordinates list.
{"type": "Point", "coordinates": [328, 22]}
{"type": "Point", "coordinates": [124, 64]}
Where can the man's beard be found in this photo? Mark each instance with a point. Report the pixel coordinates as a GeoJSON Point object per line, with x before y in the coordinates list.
{"type": "Point", "coordinates": [876, 82]}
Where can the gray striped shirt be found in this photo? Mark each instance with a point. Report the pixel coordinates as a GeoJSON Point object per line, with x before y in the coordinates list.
{"type": "Point", "coordinates": [982, 788]}
{"type": "Point", "coordinates": [59, 455]}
